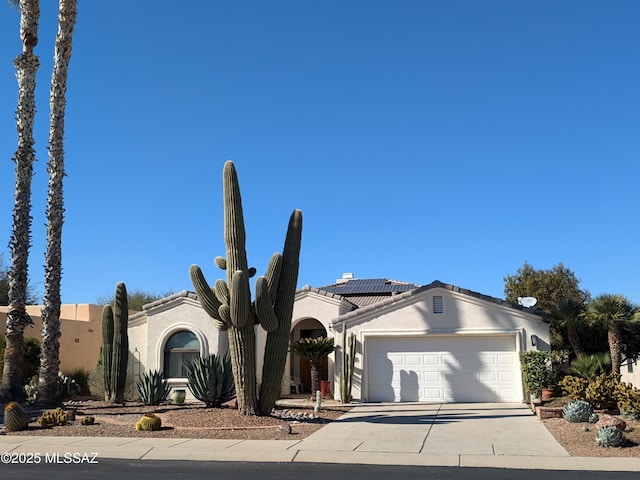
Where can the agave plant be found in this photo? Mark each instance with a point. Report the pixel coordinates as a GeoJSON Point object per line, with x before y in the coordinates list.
{"type": "Point", "coordinates": [577, 411]}
{"type": "Point", "coordinates": [609, 436]}
{"type": "Point", "coordinates": [211, 379]}
{"type": "Point", "coordinates": [153, 388]}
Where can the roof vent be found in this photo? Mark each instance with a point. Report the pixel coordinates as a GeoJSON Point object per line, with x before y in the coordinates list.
{"type": "Point", "coordinates": [345, 278]}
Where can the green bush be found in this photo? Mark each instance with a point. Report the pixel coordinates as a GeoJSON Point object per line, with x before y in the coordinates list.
{"type": "Point", "coordinates": [539, 370]}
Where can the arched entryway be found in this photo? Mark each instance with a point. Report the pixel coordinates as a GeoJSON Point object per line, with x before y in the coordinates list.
{"type": "Point", "coordinates": [300, 368]}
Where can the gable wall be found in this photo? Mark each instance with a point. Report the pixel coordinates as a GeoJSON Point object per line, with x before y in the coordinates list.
{"type": "Point", "coordinates": [463, 315]}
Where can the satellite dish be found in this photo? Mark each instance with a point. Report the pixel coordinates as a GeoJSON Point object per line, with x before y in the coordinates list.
{"type": "Point", "coordinates": [527, 301]}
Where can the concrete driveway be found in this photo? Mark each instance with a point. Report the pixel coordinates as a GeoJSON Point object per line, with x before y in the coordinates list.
{"type": "Point", "coordinates": [438, 430]}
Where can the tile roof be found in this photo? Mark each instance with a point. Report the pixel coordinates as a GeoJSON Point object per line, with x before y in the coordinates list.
{"type": "Point", "coordinates": [387, 300]}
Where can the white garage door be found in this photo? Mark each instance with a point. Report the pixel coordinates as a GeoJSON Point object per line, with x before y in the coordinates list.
{"type": "Point", "coordinates": [459, 368]}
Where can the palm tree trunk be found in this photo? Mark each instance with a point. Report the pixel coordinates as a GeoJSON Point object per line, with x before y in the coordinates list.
{"type": "Point", "coordinates": [48, 390]}
{"type": "Point", "coordinates": [574, 341]}
{"type": "Point", "coordinates": [315, 377]}
{"type": "Point", "coordinates": [17, 319]}
{"type": "Point", "coordinates": [615, 347]}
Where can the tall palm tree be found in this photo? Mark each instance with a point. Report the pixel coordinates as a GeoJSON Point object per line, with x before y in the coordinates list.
{"type": "Point", "coordinates": [48, 392]}
{"type": "Point", "coordinates": [27, 64]}
{"type": "Point", "coordinates": [314, 350]}
{"type": "Point", "coordinates": [566, 314]}
{"type": "Point", "coordinates": [612, 312]}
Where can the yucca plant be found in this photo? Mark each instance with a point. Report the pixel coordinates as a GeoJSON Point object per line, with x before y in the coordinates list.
{"type": "Point", "coordinates": [153, 388]}
{"type": "Point", "coordinates": [211, 379]}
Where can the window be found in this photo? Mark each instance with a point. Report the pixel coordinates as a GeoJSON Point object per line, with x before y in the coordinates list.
{"type": "Point", "coordinates": [181, 348]}
{"type": "Point", "coordinates": [438, 304]}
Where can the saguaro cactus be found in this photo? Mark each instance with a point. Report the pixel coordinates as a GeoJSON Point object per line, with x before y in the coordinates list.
{"type": "Point", "coordinates": [115, 345]}
{"type": "Point", "coordinates": [230, 307]}
{"type": "Point", "coordinates": [347, 365]}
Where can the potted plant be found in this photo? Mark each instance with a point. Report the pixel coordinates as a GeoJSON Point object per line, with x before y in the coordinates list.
{"type": "Point", "coordinates": [178, 396]}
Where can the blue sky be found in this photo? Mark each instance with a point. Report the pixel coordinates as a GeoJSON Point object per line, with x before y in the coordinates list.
{"type": "Point", "coordinates": [423, 140]}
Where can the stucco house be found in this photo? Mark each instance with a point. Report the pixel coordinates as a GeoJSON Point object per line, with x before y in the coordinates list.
{"type": "Point", "coordinates": [81, 337]}
{"type": "Point", "coordinates": [435, 342]}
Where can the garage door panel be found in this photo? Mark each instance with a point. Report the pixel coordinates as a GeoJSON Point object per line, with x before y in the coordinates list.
{"type": "Point", "coordinates": [410, 360]}
{"type": "Point", "coordinates": [505, 359]}
{"type": "Point", "coordinates": [445, 369]}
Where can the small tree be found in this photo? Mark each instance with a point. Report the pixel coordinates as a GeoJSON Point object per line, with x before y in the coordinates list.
{"type": "Point", "coordinates": [136, 298]}
{"type": "Point", "coordinates": [314, 350]}
{"type": "Point", "coordinates": [613, 312]}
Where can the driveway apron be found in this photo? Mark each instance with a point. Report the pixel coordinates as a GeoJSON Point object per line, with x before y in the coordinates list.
{"type": "Point", "coordinates": [437, 429]}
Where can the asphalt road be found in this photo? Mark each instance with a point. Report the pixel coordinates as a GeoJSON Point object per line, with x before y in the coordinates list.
{"type": "Point", "coordinates": [151, 470]}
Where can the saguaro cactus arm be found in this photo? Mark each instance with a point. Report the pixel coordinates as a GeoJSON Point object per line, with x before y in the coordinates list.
{"type": "Point", "coordinates": [208, 299]}
{"type": "Point", "coordinates": [240, 299]}
{"type": "Point", "coordinates": [264, 308]}
{"type": "Point", "coordinates": [277, 345]}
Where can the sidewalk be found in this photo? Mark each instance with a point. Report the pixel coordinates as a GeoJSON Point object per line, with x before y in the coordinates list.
{"type": "Point", "coordinates": [455, 435]}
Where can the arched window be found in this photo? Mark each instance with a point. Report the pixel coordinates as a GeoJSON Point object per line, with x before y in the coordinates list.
{"type": "Point", "coordinates": [181, 348]}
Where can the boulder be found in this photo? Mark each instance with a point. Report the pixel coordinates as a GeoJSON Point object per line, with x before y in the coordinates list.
{"type": "Point", "coordinates": [606, 420]}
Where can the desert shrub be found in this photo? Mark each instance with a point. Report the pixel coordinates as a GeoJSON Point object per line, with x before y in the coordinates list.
{"type": "Point", "coordinates": [574, 387]}
{"type": "Point", "coordinates": [30, 357]}
{"type": "Point", "coordinates": [66, 385]}
{"type": "Point", "coordinates": [628, 398]}
{"type": "Point", "coordinates": [601, 392]}
{"type": "Point", "coordinates": [96, 380]}
{"type": "Point", "coordinates": [81, 378]}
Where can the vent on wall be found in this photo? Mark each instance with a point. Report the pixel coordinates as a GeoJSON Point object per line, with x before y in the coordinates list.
{"type": "Point", "coordinates": [438, 304]}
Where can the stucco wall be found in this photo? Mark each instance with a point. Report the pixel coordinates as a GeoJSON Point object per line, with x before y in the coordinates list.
{"type": "Point", "coordinates": [149, 332]}
{"type": "Point", "coordinates": [630, 373]}
{"type": "Point", "coordinates": [81, 337]}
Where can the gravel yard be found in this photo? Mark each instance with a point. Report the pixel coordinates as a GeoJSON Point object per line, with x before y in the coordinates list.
{"type": "Point", "coordinates": [286, 423]}
{"type": "Point", "coordinates": [579, 439]}
{"type": "Point", "coordinates": [190, 421]}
